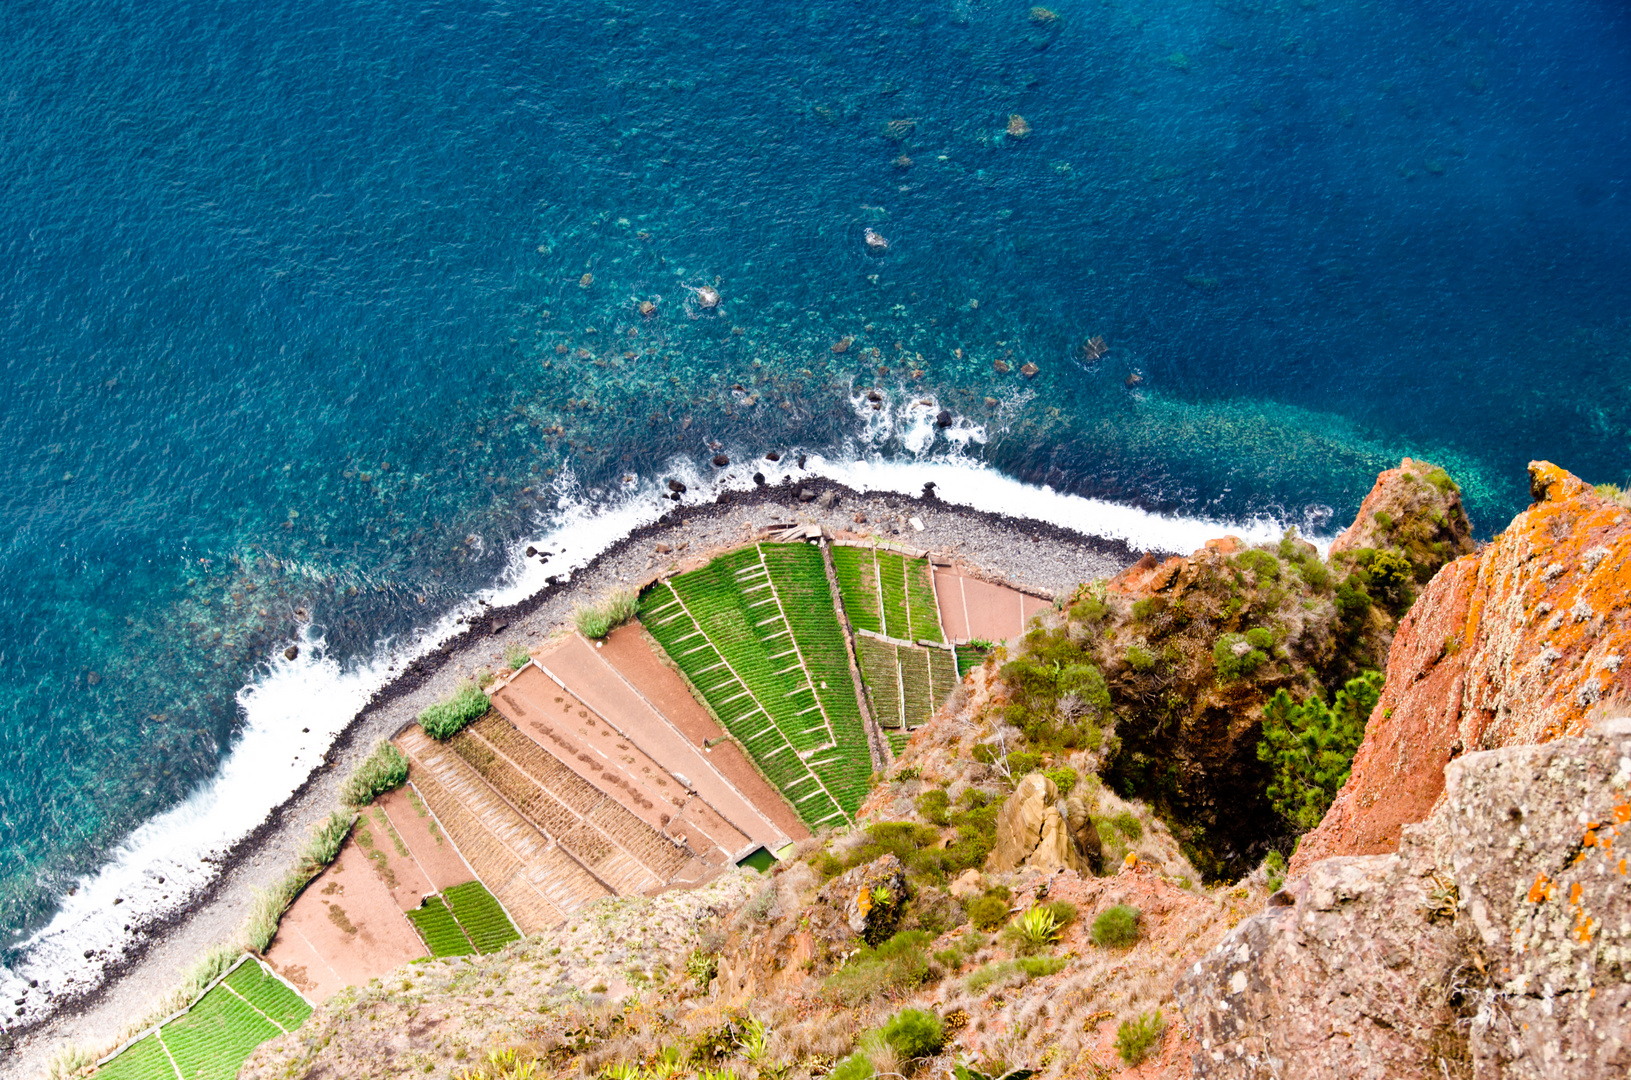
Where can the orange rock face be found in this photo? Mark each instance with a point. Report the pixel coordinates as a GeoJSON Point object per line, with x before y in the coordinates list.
{"type": "Point", "coordinates": [1520, 643]}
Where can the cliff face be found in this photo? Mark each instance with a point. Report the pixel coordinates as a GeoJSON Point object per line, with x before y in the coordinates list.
{"type": "Point", "coordinates": [1519, 643]}
{"type": "Point", "coordinates": [1495, 943]}
{"type": "Point", "coordinates": [1193, 647]}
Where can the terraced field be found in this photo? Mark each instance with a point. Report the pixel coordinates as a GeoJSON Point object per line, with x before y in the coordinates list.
{"type": "Point", "coordinates": [479, 915]}
{"type": "Point", "coordinates": [969, 657]}
{"type": "Point", "coordinates": [218, 1033]}
{"type": "Point", "coordinates": [907, 682]}
{"type": "Point", "coordinates": [441, 931]}
{"type": "Point", "coordinates": [757, 634]}
{"type": "Point", "coordinates": [887, 593]}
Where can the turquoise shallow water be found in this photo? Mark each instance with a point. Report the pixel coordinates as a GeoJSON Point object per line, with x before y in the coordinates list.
{"type": "Point", "coordinates": [298, 341]}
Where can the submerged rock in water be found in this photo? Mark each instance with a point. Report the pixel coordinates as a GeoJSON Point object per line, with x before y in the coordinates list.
{"type": "Point", "coordinates": [586, 280]}
{"type": "Point", "coordinates": [943, 419]}
{"type": "Point", "coordinates": [1018, 126]}
{"type": "Point", "coordinates": [647, 308]}
{"type": "Point", "coordinates": [875, 241]}
{"type": "Point", "coordinates": [720, 460]}
{"type": "Point", "coordinates": [707, 296]}
{"type": "Point", "coordinates": [291, 652]}
{"type": "Point", "coordinates": [1028, 369]}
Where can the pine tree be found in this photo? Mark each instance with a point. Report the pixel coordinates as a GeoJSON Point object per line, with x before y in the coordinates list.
{"type": "Point", "coordinates": [1311, 747]}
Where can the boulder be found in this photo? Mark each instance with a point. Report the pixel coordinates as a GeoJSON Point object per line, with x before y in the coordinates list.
{"type": "Point", "coordinates": [1035, 829]}
{"type": "Point", "coordinates": [870, 898]}
{"type": "Point", "coordinates": [1497, 936]}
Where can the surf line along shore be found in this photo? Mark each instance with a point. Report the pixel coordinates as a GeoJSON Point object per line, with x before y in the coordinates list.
{"type": "Point", "coordinates": [1036, 556]}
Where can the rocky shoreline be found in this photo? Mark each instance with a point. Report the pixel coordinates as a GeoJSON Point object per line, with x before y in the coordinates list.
{"type": "Point", "coordinates": [1033, 555]}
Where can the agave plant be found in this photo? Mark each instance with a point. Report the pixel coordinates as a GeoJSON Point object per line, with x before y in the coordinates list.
{"type": "Point", "coordinates": [1038, 928]}
{"type": "Point", "coordinates": [621, 1070]}
{"type": "Point", "coordinates": [754, 1040]}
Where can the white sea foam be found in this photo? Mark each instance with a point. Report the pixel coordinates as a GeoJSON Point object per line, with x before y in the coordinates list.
{"type": "Point", "coordinates": [294, 710]}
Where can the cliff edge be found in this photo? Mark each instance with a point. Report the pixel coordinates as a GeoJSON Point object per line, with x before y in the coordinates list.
{"type": "Point", "coordinates": [1519, 643]}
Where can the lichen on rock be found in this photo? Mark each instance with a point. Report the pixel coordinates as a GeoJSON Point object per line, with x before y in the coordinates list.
{"type": "Point", "coordinates": [1498, 937]}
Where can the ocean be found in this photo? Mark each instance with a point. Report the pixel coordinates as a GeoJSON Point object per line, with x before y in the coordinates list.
{"type": "Point", "coordinates": [312, 315]}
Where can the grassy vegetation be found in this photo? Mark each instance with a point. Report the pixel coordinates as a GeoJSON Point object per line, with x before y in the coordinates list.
{"type": "Point", "coordinates": [268, 907]}
{"type": "Point", "coordinates": [1031, 967]}
{"type": "Point", "coordinates": [144, 1060]}
{"type": "Point", "coordinates": [516, 656]}
{"type": "Point", "coordinates": [897, 964]}
{"type": "Point", "coordinates": [449, 716]}
{"type": "Point", "coordinates": [598, 620]}
{"type": "Point", "coordinates": [1311, 747]}
{"type": "Point", "coordinates": [383, 770]}
{"type": "Point", "coordinates": [1116, 928]}
{"type": "Point", "coordinates": [1136, 1038]}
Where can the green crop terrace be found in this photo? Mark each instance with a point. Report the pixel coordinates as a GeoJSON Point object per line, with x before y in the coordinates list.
{"type": "Point", "coordinates": [758, 635]}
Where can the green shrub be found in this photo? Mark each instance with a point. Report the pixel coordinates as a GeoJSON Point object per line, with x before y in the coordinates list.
{"type": "Point", "coordinates": [1310, 747]}
{"type": "Point", "coordinates": [1260, 563]}
{"type": "Point", "coordinates": [854, 1067]}
{"type": "Point", "coordinates": [898, 964]}
{"type": "Point", "coordinates": [448, 717]}
{"type": "Point", "coordinates": [383, 770]}
{"type": "Point", "coordinates": [1127, 824]}
{"type": "Point", "coordinates": [915, 1033]}
{"type": "Point", "coordinates": [1144, 609]}
{"type": "Point", "coordinates": [1139, 658]}
{"type": "Point", "coordinates": [1032, 967]}
{"type": "Point", "coordinates": [988, 912]}
{"type": "Point", "coordinates": [598, 620]}
{"type": "Point", "coordinates": [1233, 662]}
{"type": "Point", "coordinates": [1136, 1038]}
{"type": "Point", "coordinates": [1259, 638]}
{"type": "Point", "coordinates": [1116, 928]}
{"type": "Point", "coordinates": [702, 967]}
{"type": "Point", "coordinates": [1392, 576]}
{"type": "Point", "coordinates": [1274, 868]}
{"type": "Point", "coordinates": [935, 806]}
{"type": "Point", "coordinates": [1023, 762]}
{"type": "Point", "coordinates": [1441, 480]}
{"type": "Point", "coordinates": [1064, 778]}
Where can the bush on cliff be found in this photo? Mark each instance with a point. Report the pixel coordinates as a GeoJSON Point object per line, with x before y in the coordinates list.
{"type": "Point", "coordinates": [449, 716]}
{"type": "Point", "coordinates": [601, 619]}
{"type": "Point", "coordinates": [1311, 747]}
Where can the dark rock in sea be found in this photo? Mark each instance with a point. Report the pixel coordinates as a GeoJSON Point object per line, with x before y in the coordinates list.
{"type": "Point", "coordinates": [531, 551]}
{"type": "Point", "coordinates": [723, 497]}
{"type": "Point", "coordinates": [759, 479]}
{"type": "Point", "coordinates": [928, 492]}
{"type": "Point", "coordinates": [873, 395]}
{"type": "Point", "coordinates": [773, 456]}
{"type": "Point", "coordinates": [1028, 369]}
{"type": "Point", "coordinates": [676, 486]}
{"type": "Point", "coordinates": [291, 652]}
{"type": "Point", "coordinates": [943, 419]}
{"type": "Point", "coordinates": [801, 461]}
{"type": "Point", "coordinates": [720, 460]}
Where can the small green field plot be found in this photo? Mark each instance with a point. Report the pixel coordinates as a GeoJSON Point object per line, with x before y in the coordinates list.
{"type": "Point", "coordinates": [269, 994]}
{"type": "Point", "coordinates": [144, 1060]}
{"type": "Point", "coordinates": [212, 1039]}
{"type": "Point", "coordinates": [441, 932]}
{"type": "Point", "coordinates": [483, 920]}
{"type": "Point", "coordinates": [897, 741]}
{"type": "Point", "coordinates": [887, 593]}
{"type": "Point", "coordinates": [970, 657]}
{"type": "Point", "coordinates": [757, 634]}
{"type": "Point", "coordinates": [216, 1035]}
{"type": "Point", "coordinates": [908, 683]}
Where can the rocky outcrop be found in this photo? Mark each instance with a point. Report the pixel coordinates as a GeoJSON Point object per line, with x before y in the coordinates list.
{"type": "Point", "coordinates": [1038, 829]}
{"type": "Point", "coordinates": [1517, 644]}
{"type": "Point", "coordinates": [1497, 937]}
{"type": "Point", "coordinates": [1414, 510]}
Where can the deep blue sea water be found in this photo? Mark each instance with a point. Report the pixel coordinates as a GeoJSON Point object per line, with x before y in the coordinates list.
{"type": "Point", "coordinates": [298, 341]}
